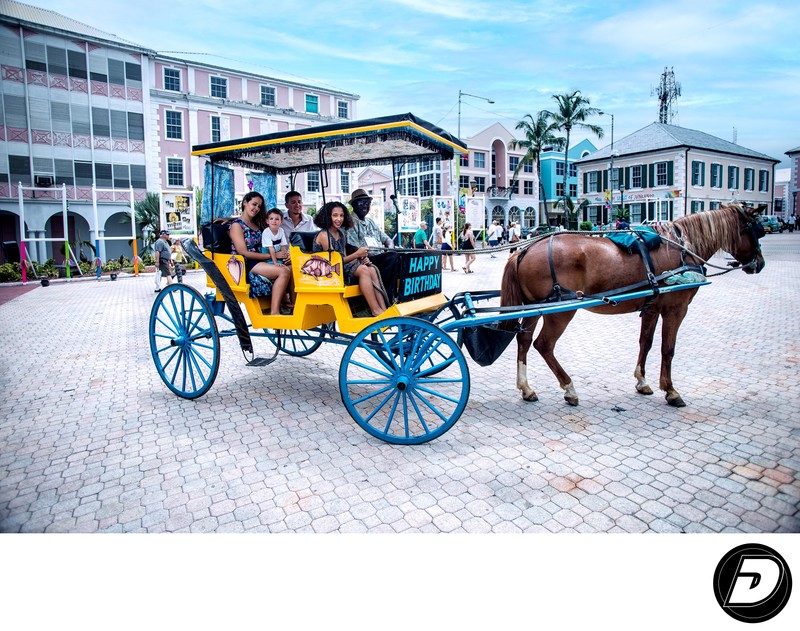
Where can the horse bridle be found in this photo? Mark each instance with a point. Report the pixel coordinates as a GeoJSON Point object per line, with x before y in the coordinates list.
{"type": "Point", "coordinates": [752, 227]}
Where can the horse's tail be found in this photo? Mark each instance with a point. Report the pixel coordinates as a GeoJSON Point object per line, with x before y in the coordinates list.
{"type": "Point", "coordinates": [510, 291]}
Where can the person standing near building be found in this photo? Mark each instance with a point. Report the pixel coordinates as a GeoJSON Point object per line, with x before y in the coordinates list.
{"type": "Point", "coordinates": [163, 255]}
{"type": "Point", "coordinates": [493, 235]}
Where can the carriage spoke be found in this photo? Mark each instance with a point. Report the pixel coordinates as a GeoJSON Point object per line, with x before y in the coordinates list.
{"type": "Point", "coordinates": [366, 397]}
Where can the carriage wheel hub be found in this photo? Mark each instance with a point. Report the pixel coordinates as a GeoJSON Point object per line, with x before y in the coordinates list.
{"type": "Point", "coordinates": [402, 383]}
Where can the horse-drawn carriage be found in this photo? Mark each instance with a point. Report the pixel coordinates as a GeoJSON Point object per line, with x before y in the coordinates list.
{"type": "Point", "coordinates": [403, 376]}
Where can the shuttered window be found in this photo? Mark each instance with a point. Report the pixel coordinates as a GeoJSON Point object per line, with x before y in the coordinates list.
{"type": "Point", "coordinates": [100, 122]}
{"type": "Point", "coordinates": [42, 166]}
{"type": "Point", "coordinates": [19, 169]}
{"type": "Point", "coordinates": [59, 114]}
{"type": "Point", "coordinates": [40, 113]}
{"type": "Point", "coordinates": [64, 174]}
{"type": "Point", "coordinates": [121, 179]}
{"type": "Point", "coordinates": [35, 56]}
{"type": "Point", "coordinates": [749, 179]}
{"type": "Point", "coordinates": [119, 124]}
{"type": "Point", "coordinates": [83, 173]}
{"type": "Point", "coordinates": [698, 173]}
{"type": "Point", "coordinates": [716, 175]}
{"type": "Point", "coordinates": [135, 126]}
{"type": "Point", "coordinates": [102, 175]}
{"type": "Point", "coordinates": [14, 107]}
{"type": "Point", "coordinates": [98, 67]}
{"type": "Point", "coordinates": [763, 180]}
{"type": "Point", "coordinates": [138, 176]}
{"type": "Point", "coordinates": [133, 75]}
{"type": "Point", "coordinates": [80, 119]}
{"type": "Point", "coordinates": [733, 177]}
{"type": "Point", "coordinates": [116, 72]}
{"type": "Point", "coordinates": [56, 60]}
{"type": "Point", "coordinates": [77, 64]}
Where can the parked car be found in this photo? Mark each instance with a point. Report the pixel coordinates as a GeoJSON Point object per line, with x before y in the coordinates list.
{"type": "Point", "coordinates": [530, 232]}
{"type": "Point", "coordinates": [771, 223]}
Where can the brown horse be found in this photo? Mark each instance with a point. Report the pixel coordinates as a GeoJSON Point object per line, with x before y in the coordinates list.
{"type": "Point", "coordinates": [592, 266]}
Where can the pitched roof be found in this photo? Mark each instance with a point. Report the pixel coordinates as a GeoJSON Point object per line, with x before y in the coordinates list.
{"type": "Point", "coordinates": [791, 151]}
{"type": "Point", "coordinates": [27, 14]}
{"type": "Point", "coordinates": [657, 136]}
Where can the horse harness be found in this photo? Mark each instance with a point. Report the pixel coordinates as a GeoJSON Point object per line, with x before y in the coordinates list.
{"type": "Point", "coordinates": [559, 293]}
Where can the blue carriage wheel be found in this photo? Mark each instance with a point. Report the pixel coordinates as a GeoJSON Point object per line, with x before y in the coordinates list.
{"type": "Point", "coordinates": [445, 314]}
{"type": "Point", "coordinates": [184, 341]}
{"type": "Point", "coordinates": [404, 380]}
{"type": "Point", "coordinates": [299, 343]}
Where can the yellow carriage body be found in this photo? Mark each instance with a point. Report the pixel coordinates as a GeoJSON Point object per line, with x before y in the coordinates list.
{"type": "Point", "coordinates": [321, 297]}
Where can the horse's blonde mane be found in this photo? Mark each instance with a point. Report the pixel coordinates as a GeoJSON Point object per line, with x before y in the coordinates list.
{"type": "Point", "coordinates": [706, 233]}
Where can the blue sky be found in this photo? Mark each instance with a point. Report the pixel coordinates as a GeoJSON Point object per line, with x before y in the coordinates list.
{"type": "Point", "coordinates": [738, 62]}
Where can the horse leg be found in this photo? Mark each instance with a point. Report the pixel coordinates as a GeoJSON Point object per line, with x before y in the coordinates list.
{"type": "Point", "coordinates": [649, 321]}
{"type": "Point", "coordinates": [554, 326]}
{"type": "Point", "coordinates": [670, 322]}
{"type": "Point", "coordinates": [524, 340]}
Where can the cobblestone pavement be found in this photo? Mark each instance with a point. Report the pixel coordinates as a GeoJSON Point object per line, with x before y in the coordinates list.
{"type": "Point", "coordinates": [91, 440]}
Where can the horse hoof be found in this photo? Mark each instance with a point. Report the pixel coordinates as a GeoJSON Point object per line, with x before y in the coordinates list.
{"type": "Point", "coordinates": [644, 390]}
{"type": "Point", "coordinates": [530, 397]}
{"type": "Point", "coordinates": [573, 401]}
{"type": "Point", "coordinates": [676, 402]}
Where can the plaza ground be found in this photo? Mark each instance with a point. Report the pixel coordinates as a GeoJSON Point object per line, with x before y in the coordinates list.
{"type": "Point", "coordinates": [92, 441]}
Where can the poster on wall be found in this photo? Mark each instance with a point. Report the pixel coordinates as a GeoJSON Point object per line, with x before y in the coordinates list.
{"type": "Point", "coordinates": [443, 207]}
{"type": "Point", "coordinates": [476, 212]}
{"type": "Point", "coordinates": [178, 214]}
{"type": "Point", "coordinates": [376, 211]}
{"type": "Point", "coordinates": [409, 217]}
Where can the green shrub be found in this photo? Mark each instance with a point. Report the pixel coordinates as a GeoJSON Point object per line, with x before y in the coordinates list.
{"type": "Point", "coordinates": [148, 258]}
{"type": "Point", "coordinates": [10, 272]}
{"type": "Point", "coordinates": [85, 267]}
{"type": "Point", "coordinates": [111, 265]}
{"type": "Point", "coordinates": [586, 225]}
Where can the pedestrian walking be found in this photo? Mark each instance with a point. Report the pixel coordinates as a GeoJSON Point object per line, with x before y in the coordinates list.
{"type": "Point", "coordinates": [163, 255]}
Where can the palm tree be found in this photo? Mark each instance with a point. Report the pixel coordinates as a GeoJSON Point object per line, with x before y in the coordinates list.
{"type": "Point", "coordinates": [148, 219]}
{"type": "Point", "coordinates": [573, 110]}
{"type": "Point", "coordinates": [539, 134]}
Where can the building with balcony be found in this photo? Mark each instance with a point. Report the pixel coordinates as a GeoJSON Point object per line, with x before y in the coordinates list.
{"type": "Point", "coordinates": [107, 120]}
{"type": "Point", "coordinates": [663, 172]}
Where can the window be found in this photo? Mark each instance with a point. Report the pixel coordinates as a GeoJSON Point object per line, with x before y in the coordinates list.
{"type": "Point", "coordinates": [463, 181]}
{"type": "Point", "coordinates": [573, 190]}
{"type": "Point", "coordinates": [714, 205]}
{"type": "Point", "coordinates": [560, 169]}
{"type": "Point", "coordinates": [345, 180]}
{"type": "Point", "coordinates": [268, 95]}
{"type": "Point", "coordinates": [573, 170]}
{"type": "Point", "coordinates": [733, 177]}
{"type": "Point", "coordinates": [63, 172]}
{"type": "Point", "coordinates": [121, 178]}
{"type": "Point", "coordinates": [697, 206]}
{"type": "Point", "coordinates": [412, 186]}
{"type": "Point", "coordinates": [100, 124]}
{"type": "Point", "coordinates": [59, 115]}
{"type": "Point", "coordinates": [528, 167]}
{"type": "Point", "coordinates": [616, 178]}
{"type": "Point", "coordinates": [116, 72]}
{"type": "Point", "coordinates": [636, 177]}
{"type": "Point", "coordinates": [464, 160]}
{"type": "Point", "coordinates": [481, 182]}
{"type": "Point", "coordinates": [716, 175]}
{"type": "Point", "coordinates": [102, 175]}
{"type": "Point", "coordinates": [527, 187]}
{"type": "Point", "coordinates": [763, 180]}
{"type": "Point", "coordinates": [343, 109]}
{"type": "Point", "coordinates": [174, 172]}
{"type": "Point", "coordinates": [216, 129]}
{"type": "Point", "coordinates": [133, 75]}
{"type": "Point", "coordinates": [749, 179]}
{"type": "Point", "coordinates": [35, 57]}
{"type": "Point", "coordinates": [698, 173]}
{"type": "Point", "coordinates": [138, 176]}
{"type": "Point", "coordinates": [480, 160]}
{"type": "Point", "coordinates": [56, 60]}
{"type": "Point", "coordinates": [172, 79]}
{"type": "Point", "coordinates": [119, 124]}
{"type": "Point", "coordinates": [84, 174]}
{"type": "Point", "coordinates": [77, 64]}
{"type": "Point", "coordinates": [594, 183]}
{"type": "Point", "coordinates": [427, 184]}
{"type": "Point", "coordinates": [513, 163]}
{"type": "Point", "coordinates": [219, 87]}
{"type": "Point", "coordinates": [661, 174]}
{"type": "Point", "coordinates": [135, 126]}
{"type": "Point", "coordinates": [174, 125]}
{"type": "Point", "coordinates": [19, 168]}
{"type": "Point", "coordinates": [559, 189]}
{"type": "Point", "coordinates": [312, 104]}
{"type": "Point", "coordinates": [312, 181]}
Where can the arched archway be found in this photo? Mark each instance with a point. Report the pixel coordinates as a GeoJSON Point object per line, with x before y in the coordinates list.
{"type": "Point", "coordinates": [78, 231]}
{"type": "Point", "coordinates": [9, 236]}
{"type": "Point", "coordinates": [529, 217]}
{"type": "Point", "coordinates": [118, 225]}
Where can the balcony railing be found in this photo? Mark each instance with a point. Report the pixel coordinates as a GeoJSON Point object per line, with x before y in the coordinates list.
{"type": "Point", "coordinates": [499, 192]}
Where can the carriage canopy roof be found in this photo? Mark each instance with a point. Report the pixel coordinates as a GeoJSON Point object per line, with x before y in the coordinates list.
{"type": "Point", "coordinates": [344, 145]}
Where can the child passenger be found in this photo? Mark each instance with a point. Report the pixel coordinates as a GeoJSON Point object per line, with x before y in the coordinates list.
{"type": "Point", "coordinates": [273, 239]}
{"type": "Point", "coordinates": [334, 219]}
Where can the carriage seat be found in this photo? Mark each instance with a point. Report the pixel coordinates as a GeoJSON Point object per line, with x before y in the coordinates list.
{"type": "Point", "coordinates": [304, 240]}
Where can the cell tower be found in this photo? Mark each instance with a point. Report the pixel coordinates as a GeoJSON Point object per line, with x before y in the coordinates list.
{"type": "Point", "coordinates": [667, 92]}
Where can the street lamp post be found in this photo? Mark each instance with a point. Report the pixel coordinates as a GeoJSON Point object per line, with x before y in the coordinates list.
{"type": "Point", "coordinates": [611, 168]}
{"type": "Point", "coordinates": [474, 96]}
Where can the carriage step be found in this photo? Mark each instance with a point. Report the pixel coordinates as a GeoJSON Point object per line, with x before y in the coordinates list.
{"type": "Point", "coordinates": [261, 361]}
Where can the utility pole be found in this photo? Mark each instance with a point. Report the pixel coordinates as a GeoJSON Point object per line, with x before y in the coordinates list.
{"type": "Point", "coordinates": [668, 91]}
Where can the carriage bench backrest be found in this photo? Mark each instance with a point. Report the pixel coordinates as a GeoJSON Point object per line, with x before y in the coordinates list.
{"type": "Point", "coordinates": [304, 240]}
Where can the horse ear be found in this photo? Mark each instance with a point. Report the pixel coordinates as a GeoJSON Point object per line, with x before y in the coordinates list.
{"type": "Point", "coordinates": [761, 208]}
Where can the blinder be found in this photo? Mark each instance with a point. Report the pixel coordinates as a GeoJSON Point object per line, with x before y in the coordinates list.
{"type": "Point", "coordinates": [755, 229]}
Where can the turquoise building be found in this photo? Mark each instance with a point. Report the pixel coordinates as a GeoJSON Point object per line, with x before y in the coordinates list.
{"type": "Point", "coordinates": [553, 177]}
